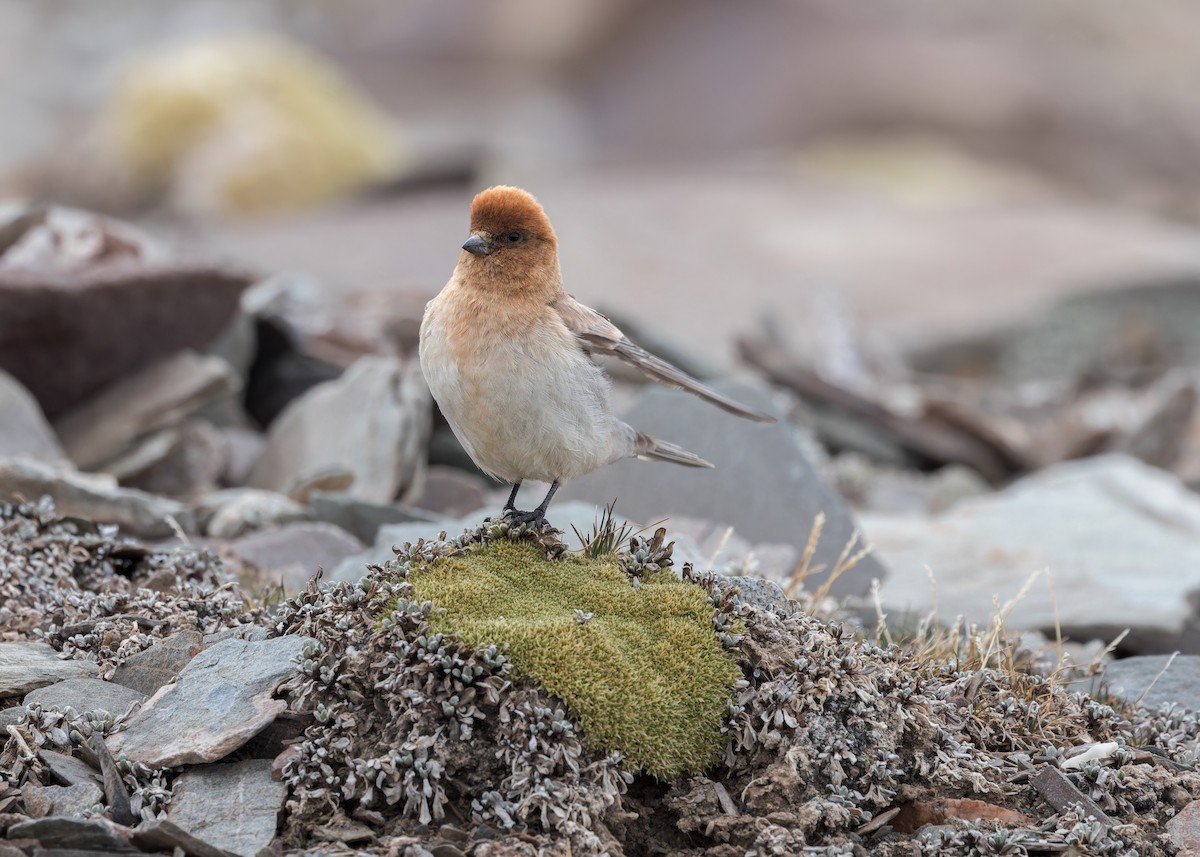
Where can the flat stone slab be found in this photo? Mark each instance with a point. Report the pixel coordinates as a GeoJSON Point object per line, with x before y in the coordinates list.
{"type": "Point", "coordinates": [223, 697]}
{"type": "Point", "coordinates": [233, 807]}
{"type": "Point", "coordinates": [85, 694]}
{"type": "Point", "coordinates": [1120, 539]}
{"type": "Point", "coordinates": [1155, 680]}
{"type": "Point", "coordinates": [28, 666]}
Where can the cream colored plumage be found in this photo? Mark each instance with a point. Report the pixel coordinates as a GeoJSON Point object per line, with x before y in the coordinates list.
{"type": "Point", "coordinates": [507, 354]}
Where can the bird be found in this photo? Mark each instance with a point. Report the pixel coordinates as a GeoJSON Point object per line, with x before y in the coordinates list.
{"type": "Point", "coordinates": [510, 359]}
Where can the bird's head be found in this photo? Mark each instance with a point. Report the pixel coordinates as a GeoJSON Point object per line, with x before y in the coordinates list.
{"type": "Point", "coordinates": [510, 233]}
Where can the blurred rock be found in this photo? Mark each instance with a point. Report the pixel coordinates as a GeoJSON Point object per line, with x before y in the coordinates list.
{"type": "Point", "coordinates": [282, 370]}
{"type": "Point", "coordinates": [161, 396]}
{"type": "Point", "coordinates": [95, 498]}
{"type": "Point", "coordinates": [1121, 333]}
{"type": "Point", "coordinates": [1116, 536]}
{"type": "Point", "coordinates": [243, 448]}
{"type": "Point", "coordinates": [361, 518]}
{"type": "Point", "coordinates": [1152, 681]}
{"type": "Point", "coordinates": [764, 486]}
{"type": "Point", "coordinates": [201, 805]}
{"type": "Point", "coordinates": [720, 547]}
{"type": "Point", "coordinates": [243, 124]}
{"type": "Point", "coordinates": [57, 238]}
{"type": "Point", "coordinates": [146, 671]}
{"type": "Point", "coordinates": [23, 428]}
{"type": "Point", "coordinates": [28, 666]}
{"type": "Point", "coordinates": [450, 491]}
{"type": "Point", "coordinates": [179, 725]}
{"type": "Point", "coordinates": [179, 462]}
{"type": "Point", "coordinates": [66, 334]}
{"type": "Point", "coordinates": [290, 555]}
{"type": "Point", "coordinates": [367, 430]}
{"type": "Point", "coordinates": [870, 487]}
{"type": "Point", "coordinates": [229, 513]}
{"type": "Point", "coordinates": [85, 694]}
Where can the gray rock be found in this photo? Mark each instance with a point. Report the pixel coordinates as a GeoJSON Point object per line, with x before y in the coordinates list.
{"type": "Point", "coordinates": [290, 555]}
{"type": "Point", "coordinates": [370, 425]}
{"type": "Point", "coordinates": [23, 427]}
{"type": "Point", "coordinates": [180, 461]}
{"type": "Point", "coordinates": [361, 518]}
{"type": "Point", "coordinates": [11, 716]}
{"type": "Point", "coordinates": [229, 513]}
{"type": "Point", "coordinates": [55, 831]}
{"type": "Point", "coordinates": [765, 594]}
{"type": "Point", "coordinates": [68, 769]}
{"type": "Point", "coordinates": [233, 807]}
{"type": "Point", "coordinates": [86, 694]}
{"type": "Point", "coordinates": [148, 670]}
{"type": "Point", "coordinates": [223, 697]}
{"type": "Point", "coordinates": [27, 666]}
{"type": "Point", "coordinates": [763, 485]}
{"type": "Point", "coordinates": [1120, 539]}
{"type": "Point", "coordinates": [1129, 678]}
{"type": "Point", "coordinates": [160, 396]}
{"type": "Point", "coordinates": [94, 498]}
{"type": "Point", "coordinates": [74, 801]}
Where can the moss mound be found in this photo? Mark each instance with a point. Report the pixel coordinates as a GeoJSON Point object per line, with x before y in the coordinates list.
{"type": "Point", "coordinates": [643, 676]}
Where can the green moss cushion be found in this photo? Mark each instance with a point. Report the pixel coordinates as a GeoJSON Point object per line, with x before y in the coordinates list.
{"type": "Point", "coordinates": [644, 675]}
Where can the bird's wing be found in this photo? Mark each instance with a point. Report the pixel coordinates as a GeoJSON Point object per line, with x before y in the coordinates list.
{"type": "Point", "coordinates": [598, 335]}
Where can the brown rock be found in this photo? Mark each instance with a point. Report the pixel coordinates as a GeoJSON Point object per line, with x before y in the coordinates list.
{"type": "Point", "coordinates": [149, 669]}
{"type": "Point", "coordinates": [66, 334]}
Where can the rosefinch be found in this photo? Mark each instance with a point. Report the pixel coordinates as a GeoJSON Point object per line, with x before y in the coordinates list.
{"type": "Point", "coordinates": [508, 354]}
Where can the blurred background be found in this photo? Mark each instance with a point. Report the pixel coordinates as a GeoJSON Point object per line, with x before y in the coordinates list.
{"type": "Point", "coordinates": [956, 243]}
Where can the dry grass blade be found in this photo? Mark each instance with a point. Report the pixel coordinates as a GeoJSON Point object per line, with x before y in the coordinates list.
{"type": "Point", "coordinates": [804, 567]}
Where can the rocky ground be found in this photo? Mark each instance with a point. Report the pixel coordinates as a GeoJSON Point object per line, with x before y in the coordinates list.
{"type": "Point", "coordinates": [251, 603]}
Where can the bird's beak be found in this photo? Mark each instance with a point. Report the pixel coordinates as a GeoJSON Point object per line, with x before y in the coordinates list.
{"type": "Point", "coordinates": [476, 246]}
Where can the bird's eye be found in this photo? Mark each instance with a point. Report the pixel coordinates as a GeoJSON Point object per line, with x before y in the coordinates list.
{"type": "Point", "coordinates": [512, 237]}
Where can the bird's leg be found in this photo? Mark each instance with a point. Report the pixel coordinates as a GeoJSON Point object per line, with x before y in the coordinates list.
{"type": "Point", "coordinates": [510, 506]}
{"type": "Point", "coordinates": [538, 516]}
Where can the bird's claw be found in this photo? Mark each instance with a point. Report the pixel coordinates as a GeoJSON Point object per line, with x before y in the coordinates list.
{"type": "Point", "coordinates": [536, 519]}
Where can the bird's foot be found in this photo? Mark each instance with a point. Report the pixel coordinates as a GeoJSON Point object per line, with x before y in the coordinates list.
{"type": "Point", "coordinates": [536, 519]}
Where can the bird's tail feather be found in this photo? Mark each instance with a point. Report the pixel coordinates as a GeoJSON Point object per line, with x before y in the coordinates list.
{"type": "Point", "coordinates": [653, 449]}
